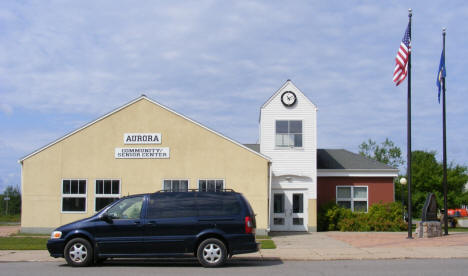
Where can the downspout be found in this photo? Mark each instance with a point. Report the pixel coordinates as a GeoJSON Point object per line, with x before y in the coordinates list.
{"type": "Point", "coordinates": [269, 197]}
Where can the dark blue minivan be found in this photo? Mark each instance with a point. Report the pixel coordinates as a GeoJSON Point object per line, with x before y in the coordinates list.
{"type": "Point", "coordinates": [208, 225]}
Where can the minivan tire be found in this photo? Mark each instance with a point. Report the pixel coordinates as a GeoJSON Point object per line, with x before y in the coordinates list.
{"type": "Point", "coordinates": [212, 253]}
{"type": "Point", "coordinates": [79, 252]}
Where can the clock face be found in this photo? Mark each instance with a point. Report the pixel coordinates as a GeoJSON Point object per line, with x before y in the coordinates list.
{"type": "Point", "coordinates": [288, 98]}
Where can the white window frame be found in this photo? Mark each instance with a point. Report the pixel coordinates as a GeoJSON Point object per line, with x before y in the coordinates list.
{"type": "Point", "coordinates": [85, 196]}
{"type": "Point", "coordinates": [290, 146]}
{"type": "Point", "coordinates": [352, 199]}
{"type": "Point", "coordinates": [175, 179]}
{"type": "Point", "coordinates": [96, 195]}
{"type": "Point", "coordinates": [212, 179]}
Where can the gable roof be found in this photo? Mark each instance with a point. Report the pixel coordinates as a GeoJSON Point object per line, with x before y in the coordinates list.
{"type": "Point", "coordinates": [142, 97]}
{"type": "Point", "coordinates": [341, 159]}
{"type": "Point", "coordinates": [336, 159]}
{"type": "Point", "coordinates": [288, 82]}
{"type": "Point", "coordinates": [255, 147]}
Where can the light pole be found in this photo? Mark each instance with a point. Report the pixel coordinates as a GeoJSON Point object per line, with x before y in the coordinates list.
{"type": "Point", "coordinates": [402, 184]}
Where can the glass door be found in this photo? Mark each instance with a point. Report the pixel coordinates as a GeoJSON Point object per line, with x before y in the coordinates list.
{"type": "Point", "coordinates": [289, 211]}
{"type": "Point", "coordinates": [279, 215]}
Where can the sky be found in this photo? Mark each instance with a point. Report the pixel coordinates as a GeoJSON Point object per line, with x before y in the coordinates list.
{"type": "Point", "coordinates": [66, 63]}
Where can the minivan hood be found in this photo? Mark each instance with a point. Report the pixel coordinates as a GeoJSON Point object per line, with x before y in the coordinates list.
{"type": "Point", "coordinates": [76, 223]}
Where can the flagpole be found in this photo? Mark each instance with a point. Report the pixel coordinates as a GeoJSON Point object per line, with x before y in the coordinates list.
{"type": "Point", "coordinates": [408, 170]}
{"type": "Point", "coordinates": [444, 141]}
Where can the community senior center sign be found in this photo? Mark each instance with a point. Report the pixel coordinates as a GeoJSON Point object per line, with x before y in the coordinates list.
{"type": "Point", "coordinates": [142, 153]}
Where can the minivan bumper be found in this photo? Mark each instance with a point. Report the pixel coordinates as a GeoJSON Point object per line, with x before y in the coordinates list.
{"type": "Point", "coordinates": [56, 248]}
{"type": "Point", "coordinates": [246, 248]}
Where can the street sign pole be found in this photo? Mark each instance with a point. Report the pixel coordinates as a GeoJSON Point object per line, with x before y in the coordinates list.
{"type": "Point", "coordinates": [6, 202]}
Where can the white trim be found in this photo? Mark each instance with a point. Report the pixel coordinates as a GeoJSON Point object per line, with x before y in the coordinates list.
{"type": "Point", "coordinates": [215, 179]}
{"type": "Point", "coordinates": [128, 104]}
{"type": "Point", "coordinates": [351, 199]}
{"type": "Point", "coordinates": [85, 196]}
{"type": "Point", "coordinates": [96, 195]}
{"type": "Point", "coordinates": [357, 173]}
{"type": "Point", "coordinates": [280, 90]}
{"type": "Point", "coordinates": [175, 179]}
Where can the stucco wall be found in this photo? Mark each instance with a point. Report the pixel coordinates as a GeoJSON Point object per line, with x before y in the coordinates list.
{"type": "Point", "coordinates": [195, 153]}
{"type": "Point", "coordinates": [379, 188]}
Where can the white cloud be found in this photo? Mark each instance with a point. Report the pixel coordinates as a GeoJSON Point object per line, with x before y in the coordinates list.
{"type": "Point", "coordinates": [217, 62]}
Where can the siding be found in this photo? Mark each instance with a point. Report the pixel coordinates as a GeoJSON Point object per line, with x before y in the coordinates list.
{"type": "Point", "coordinates": [302, 162]}
{"type": "Point", "coordinates": [379, 188]}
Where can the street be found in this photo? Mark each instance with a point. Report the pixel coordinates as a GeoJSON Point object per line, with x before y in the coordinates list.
{"type": "Point", "coordinates": [244, 267]}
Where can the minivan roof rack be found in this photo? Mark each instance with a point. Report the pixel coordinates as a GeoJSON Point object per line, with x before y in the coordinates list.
{"type": "Point", "coordinates": [197, 190]}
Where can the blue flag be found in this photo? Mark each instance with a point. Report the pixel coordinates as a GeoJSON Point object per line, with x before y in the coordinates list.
{"type": "Point", "coordinates": [441, 73]}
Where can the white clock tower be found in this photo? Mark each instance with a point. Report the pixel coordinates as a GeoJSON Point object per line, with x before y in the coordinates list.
{"type": "Point", "coordinates": [288, 135]}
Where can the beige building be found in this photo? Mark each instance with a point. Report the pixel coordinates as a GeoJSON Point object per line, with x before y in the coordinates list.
{"type": "Point", "coordinates": [144, 147]}
{"type": "Point", "coordinates": [140, 147]}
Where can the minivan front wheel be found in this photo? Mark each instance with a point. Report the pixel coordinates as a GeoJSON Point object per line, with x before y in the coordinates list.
{"type": "Point", "coordinates": [211, 253]}
{"type": "Point", "coordinates": [78, 252]}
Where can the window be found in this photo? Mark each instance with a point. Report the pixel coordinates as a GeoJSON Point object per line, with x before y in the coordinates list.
{"type": "Point", "coordinates": [129, 208]}
{"type": "Point", "coordinates": [107, 191]}
{"type": "Point", "coordinates": [289, 134]}
{"type": "Point", "coordinates": [175, 185]}
{"type": "Point", "coordinates": [74, 195]}
{"type": "Point", "coordinates": [218, 204]}
{"type": "Point", "coordinates": [172, 205]}
{"type": "Point", "coordinates": [354, 198]}
{"type": "Point", "coordinates": [278, 203]}
{"type": "Point", "coordinates": [209, 185]}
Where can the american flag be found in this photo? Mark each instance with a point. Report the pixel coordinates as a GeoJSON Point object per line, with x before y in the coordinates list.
{"type": "Point", "coordinates": [401, 67]}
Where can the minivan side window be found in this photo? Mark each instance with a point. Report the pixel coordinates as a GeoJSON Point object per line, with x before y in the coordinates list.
{"type": "Point", "coordinates": [172, 205]}
{"type": "Point", "coordinates": [129, 208]}
{"type": "Point", "coordinates": [216, 204]}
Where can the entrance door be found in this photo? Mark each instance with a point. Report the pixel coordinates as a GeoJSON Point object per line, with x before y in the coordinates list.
{"type": "Point", "coordinates": [289, 211]}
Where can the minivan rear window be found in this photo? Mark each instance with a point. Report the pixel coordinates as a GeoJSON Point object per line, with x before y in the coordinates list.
{"type": "Point", "coordinates": [216, 204]}
{"type": "Point", "coordinates": [172, 205]}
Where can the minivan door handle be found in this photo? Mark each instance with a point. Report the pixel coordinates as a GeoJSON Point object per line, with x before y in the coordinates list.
{"type": "Point", "coordinates": [151, 222]}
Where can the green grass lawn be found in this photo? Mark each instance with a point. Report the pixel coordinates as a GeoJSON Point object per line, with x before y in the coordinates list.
{"type": "Point", "coordinates": [23, 243]}
{"type": "Point", "coordinates": [10, 219]}
{"type": "Point", "coordinates": [31, 235]}
{"type": "Point", "coordinates": [456, 229]}
{"type": "Point", "coordinates": [267, 244]}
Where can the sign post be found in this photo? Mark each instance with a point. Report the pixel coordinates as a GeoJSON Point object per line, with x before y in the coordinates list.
{"type": "Point", "coordinates": [6, 202]}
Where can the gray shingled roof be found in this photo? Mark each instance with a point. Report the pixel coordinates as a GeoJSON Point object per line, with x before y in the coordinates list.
{"type": "Point", "coordinates": [255, 147]}
{"type": "Point", "coordinates": [333, 159]}
{"type": "Point", "coordinates": [340, 159]}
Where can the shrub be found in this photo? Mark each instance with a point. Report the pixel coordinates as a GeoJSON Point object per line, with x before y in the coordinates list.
{"type": "Point", "coordinates": [381, 217]}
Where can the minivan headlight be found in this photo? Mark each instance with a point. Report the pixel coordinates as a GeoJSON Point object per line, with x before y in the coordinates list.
{"type": "Point", "coordinates": [56, 235]}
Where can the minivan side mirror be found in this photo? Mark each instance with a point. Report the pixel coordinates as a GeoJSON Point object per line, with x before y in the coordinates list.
{"type": "Point", "coordinates": [107, 218]}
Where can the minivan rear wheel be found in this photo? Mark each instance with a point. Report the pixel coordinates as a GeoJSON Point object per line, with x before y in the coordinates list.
{"type": "Point", "coordinates": [79, 252]}
{"type": "Point", "coordinates": [212, 253]}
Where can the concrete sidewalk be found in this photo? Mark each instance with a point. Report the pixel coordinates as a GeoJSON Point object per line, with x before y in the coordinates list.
{"type": "Point", "coordinates": [327, 246]}
{"type": "Point", "coordinates": [365, 246]}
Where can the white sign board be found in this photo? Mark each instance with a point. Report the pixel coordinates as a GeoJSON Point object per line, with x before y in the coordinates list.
{"type": "Point", "coordinates": [141, 153]}
{"type": "Point", "coordinates": [142, 138]}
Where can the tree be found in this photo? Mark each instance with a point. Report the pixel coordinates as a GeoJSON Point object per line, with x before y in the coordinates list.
{"type": "Point", "coordinates": [14, 204]}
{"type": "Point", "coordinates": [427, 178]}
{"type": "Point", "coordinates": [386, 152]}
